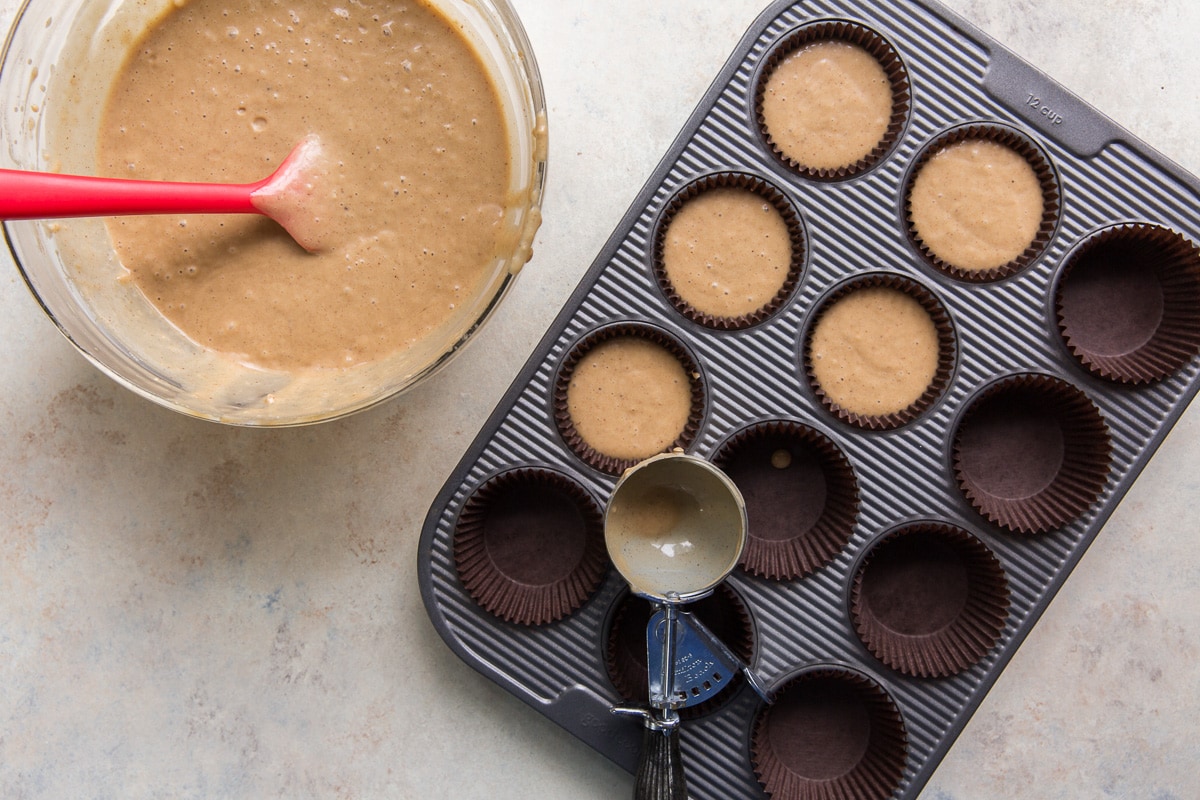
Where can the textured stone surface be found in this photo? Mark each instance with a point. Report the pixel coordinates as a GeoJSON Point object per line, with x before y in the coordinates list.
{"type": "Point", "coordinates": [188, 610]}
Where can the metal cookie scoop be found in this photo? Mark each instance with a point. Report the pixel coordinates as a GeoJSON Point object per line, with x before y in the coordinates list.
{"type": "Point", "coordinates": [675, 527]}
{"type": "Point", "coordinates": [704, 665]}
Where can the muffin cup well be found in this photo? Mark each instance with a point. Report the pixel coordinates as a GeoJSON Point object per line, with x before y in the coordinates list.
{"type": "Point", "coordinates": [945, 357]}
{"type": "Point", "coordinates": [1051, 202]}
{"type": "Point", "coordinates": [877, 47]}
{"type": "Point", "coordinates": [529, 546]}
{"type": "Point", "coordinates": [1128, 303]}
{"type": "Point", "coordinates": [615, 465]}
{"type": "Point", "coordinates": [1031, 453]}
{"type": "Point", "coordinates": [801, 497]}
{"type": "Point", "coordinates": [830, 733]}
{"type": "Point", "coordinates": [929, 600]}
{"type": "Point", "coordinates": [722, 612]}
{"type": "Point", "coordinates": [770, 194]}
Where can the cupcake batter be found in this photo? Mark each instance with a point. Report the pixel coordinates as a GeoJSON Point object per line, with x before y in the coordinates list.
{"type": "Point", "coordinates": [977, 205]}
{"type": "Point", "coordinates": [418, 163]}
{"type": "Point", "coordinates": [629, 398]}
{"type": "Point", "coordinates": [828, 105]}
{"type": "Point", "coordinates": [874, 351]}
{"type": "Point", "coordinates": [727, 252]}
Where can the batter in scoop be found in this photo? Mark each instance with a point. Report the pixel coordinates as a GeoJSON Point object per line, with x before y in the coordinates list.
{"type": "Point", "coordinates": [417, 153]}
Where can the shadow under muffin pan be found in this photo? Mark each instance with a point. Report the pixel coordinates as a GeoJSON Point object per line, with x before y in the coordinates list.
{"type": "Point", "coordinates": [1032, 356]}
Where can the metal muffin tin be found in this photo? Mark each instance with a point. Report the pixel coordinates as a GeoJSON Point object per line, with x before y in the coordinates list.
{"type": "Point", "coordinates": [856, 226]}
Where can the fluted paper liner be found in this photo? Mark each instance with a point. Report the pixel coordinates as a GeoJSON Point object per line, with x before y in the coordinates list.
{"type": "Point", "coordinates": [722, 612]}
{"type": "Point", "coordinates": [1032, 453]}
{"type": "Point", "coordinates": [929, 600]}
{"type": "Point", "coordinates": [801, 497]}
{"type": "Point", "coordinates": [769, 193]}
{"type": "Point", "coordinates": [562, 415]}
{"type": "Point", "coordinates": [829, 734]}
{"type": "Point", "coordinates": [871, 42]}
{"type": "Point", "coordinates": [1128, 303]}
{"type": "Point", "coordinates": [1051, 202]}
{"type": "Point", "coordinates": [529, 546]}
{"type": "Point", "coordinates": [945, 361]}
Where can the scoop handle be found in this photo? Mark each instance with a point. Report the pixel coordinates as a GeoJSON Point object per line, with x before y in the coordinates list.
{"type": "Point", "coordinates": [48, 195]}
{"type": "Point", "coordinates": [660, 766]}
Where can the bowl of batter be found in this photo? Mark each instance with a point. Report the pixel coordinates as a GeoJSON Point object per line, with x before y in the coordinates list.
{"type": "Point", "coordinates": [431, 121]}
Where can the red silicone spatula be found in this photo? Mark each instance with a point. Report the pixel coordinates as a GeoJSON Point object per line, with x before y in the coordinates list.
{"type": "Point", "coordinates": [286, 196]}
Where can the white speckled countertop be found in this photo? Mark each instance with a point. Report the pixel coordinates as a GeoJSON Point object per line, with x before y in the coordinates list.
{"type": "Point", "coordinates": [189, 610]}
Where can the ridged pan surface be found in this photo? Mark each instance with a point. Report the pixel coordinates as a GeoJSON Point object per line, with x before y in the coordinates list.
{"type": "Point", "coordinates": [1004, 328]}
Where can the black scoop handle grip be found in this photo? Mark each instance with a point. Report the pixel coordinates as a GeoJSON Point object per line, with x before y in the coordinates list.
{"type": "Point", "coordinates": [660, 768]}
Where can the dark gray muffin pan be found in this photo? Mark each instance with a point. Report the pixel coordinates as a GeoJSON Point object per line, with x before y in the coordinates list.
{"type": "Point", "coordinates": [1012, 365]}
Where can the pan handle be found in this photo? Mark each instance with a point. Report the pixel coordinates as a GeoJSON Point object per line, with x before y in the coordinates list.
{"type": "Point", "coordinates": [660, 768]}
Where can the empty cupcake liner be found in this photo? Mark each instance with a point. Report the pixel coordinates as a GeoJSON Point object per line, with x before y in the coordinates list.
{"type": "Point", "coordinates": [722, 612]}
{"type": "Point", "coordinates": [1024, 146]}
{"type": "Point", "coordinates": [830, 733]}
{"type": "Point", "coordinates": [945, 360]}
{"type": "Point", "coordinates": [1032, 453]}
{"type": "Point", "coordinates": [801, 497]}
{"type": "Point", "coordinates": [1128, 303]}
{"type": "Point", "coordinates": [562, 416]}
{"type": "Point", "coordinates": [529, 546]}
{"type": "Point", "coordinates": [769, 193]}
{"type": "Point", "coordinates": [880, 49]}
{"type": "Point", "coordinates": [929, 600]}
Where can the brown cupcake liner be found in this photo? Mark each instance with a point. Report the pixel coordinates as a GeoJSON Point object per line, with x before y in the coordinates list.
{"type": "Point", "coordinates": [769, 193]}
{"type": "Point", "coordinates": [1042, 168]}
{"type": "Point", "coordinates": [529, 546]}
{"type": "Point", "coordinates": [946, 351]}
{"type": "Point", "coordinates": [874, 44]}
{"type": "Point", "coordinates": [1128, 303]}
{"type": "Point", "coordinates": [929, 600]}
{"type": "Point", "coordinates": [801, 497]}
{"type": "Point", "coordinates": [829, 734]}
{"type": "Point", "coordinates": [722, 612]}
{"type": "Point", "coordinates": [562, 415]}
{"type": "Point", "coordinates": [1032, 453]}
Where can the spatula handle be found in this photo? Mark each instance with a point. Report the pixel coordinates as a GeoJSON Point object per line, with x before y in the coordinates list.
{"type": "Point", "coordinates": [660, 768]}
{"type": "Point", "coordinates": [47, 195]}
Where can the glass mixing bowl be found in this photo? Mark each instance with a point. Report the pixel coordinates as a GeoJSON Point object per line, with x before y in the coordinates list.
{"type": "Point", "coordinates": [57, 68]}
